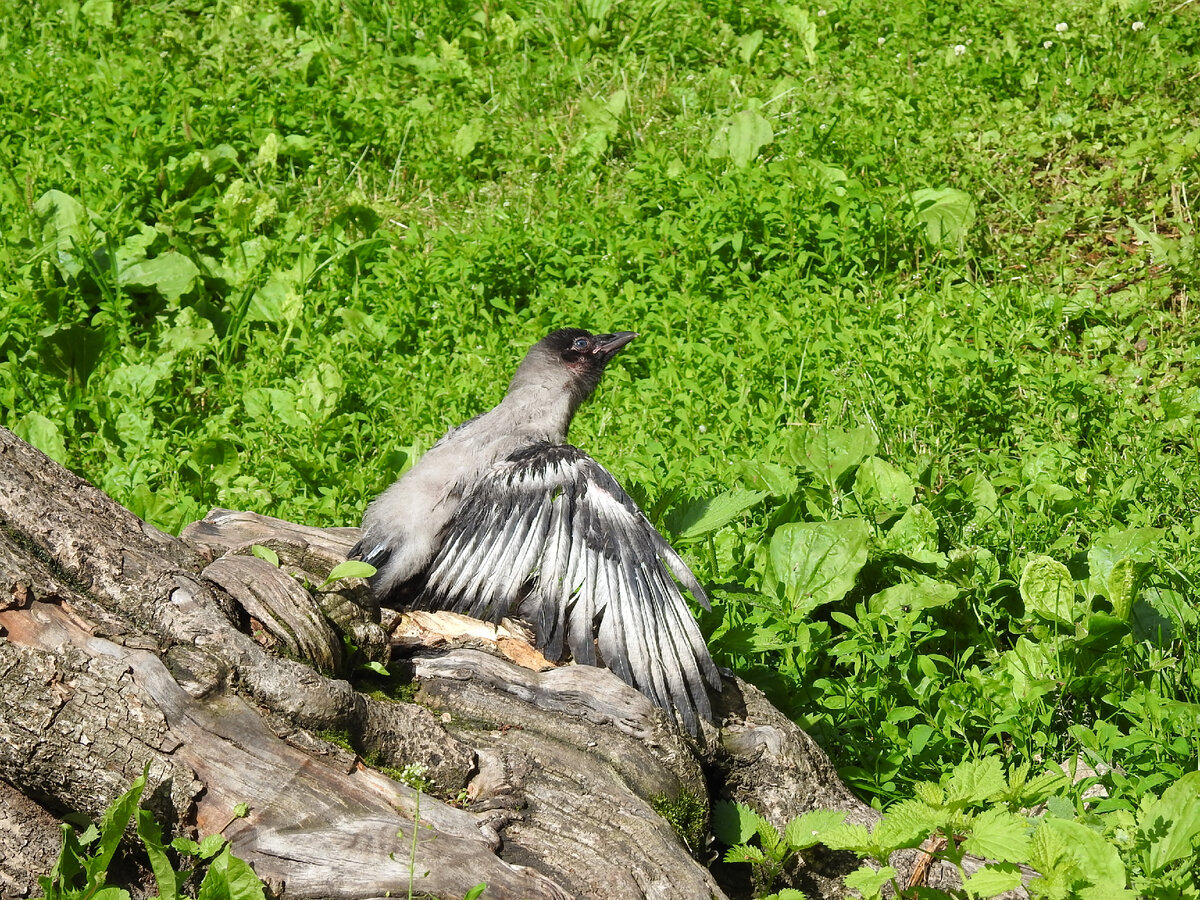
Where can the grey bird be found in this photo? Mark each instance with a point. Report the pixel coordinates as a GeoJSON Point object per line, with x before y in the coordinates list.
{"type": "Point", "coordinates": [503, 518]}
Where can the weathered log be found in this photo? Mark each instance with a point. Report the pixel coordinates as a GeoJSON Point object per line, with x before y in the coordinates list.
{"type": "Point", "coordinates": [124, 647]}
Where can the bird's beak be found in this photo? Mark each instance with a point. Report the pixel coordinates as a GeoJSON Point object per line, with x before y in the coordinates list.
{"type": "Point", "coordinates": [608, 344]}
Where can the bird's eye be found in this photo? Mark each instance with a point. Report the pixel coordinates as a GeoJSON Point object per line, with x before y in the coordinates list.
{"type": "Point", "coordinates": [580, 344]}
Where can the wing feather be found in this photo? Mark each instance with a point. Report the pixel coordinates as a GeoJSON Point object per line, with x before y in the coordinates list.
{"type": "Point", "coordinates": [548, 534]}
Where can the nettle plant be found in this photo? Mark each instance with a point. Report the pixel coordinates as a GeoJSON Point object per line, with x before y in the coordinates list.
{"type": "Point", "coordinates": [899, 611]}
{"type": "Point", "coordinates": [975, 810]}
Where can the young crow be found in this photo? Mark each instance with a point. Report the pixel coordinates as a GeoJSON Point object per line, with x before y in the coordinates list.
{"type": "Point", "coordinates": [503, 518]}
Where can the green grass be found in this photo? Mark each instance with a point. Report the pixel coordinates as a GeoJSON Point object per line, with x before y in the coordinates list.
{"type": "Point", "coordinates": [261, 255]}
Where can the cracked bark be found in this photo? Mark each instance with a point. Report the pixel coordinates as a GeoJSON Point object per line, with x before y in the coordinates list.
{"type": "Point", "coordinates": [124, 647]}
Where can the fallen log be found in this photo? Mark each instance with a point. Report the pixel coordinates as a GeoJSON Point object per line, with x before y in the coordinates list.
{"type": "Point", "coordinates": [230, 678]}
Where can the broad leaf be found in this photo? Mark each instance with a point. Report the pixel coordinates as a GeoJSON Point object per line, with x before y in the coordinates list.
{"type": "Point", "coordinates": [915, 536]}
{"type": "Point", "coordinates": [906, 824]}
{"type": "Point", "coordinates": [351, 568]}
{"type": "Point", "coordinates": [699, 518]}
{"type": "Point", "coordinates": [38, 431]}
{"type": "Point", "coordinates": [974, 781]}
{"type": "Point", "coordinates": [748, 133]}
{"type": "Point", "coordinates": [805, 830]}
{"type": "Point", "coordinates": [171, 274]}
{"type": "Point", "coordinates": [1171, 825]}
{"type": "Point", "coordinates": [923, 593]}
{"type": "Point", "coordinates": [946, 214]}
{"type": "Point", "coordinates": [112, 827]}
{"type": "Point", "coordinates": [817, 562]}
{"type": "Point", "coordinates": [881, 487]}
{"type": "Point", "coordinates": [229, 878]}
{"type": "Point", "coordinates": [869, 881]}
{"type": "Point", "coordinates": [830, 452]}
{"type": "Point", "coordinates": [998, 834]}
{"type": "Point", "coordinates": [1048, 590]}
{"type": "Point", "coordinates": [165, 876]}
{"type": "Point", "coordinates": [991, 881]}
{"type": "Point", "coordinates": [1065, 852]}
{"type": "Point", "coordinates": [733, 823]}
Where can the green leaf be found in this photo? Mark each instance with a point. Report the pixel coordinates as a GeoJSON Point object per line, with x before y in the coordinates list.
{"type": "Point", "coordinates": [112, 827]}
{"type": "Point", "coordinates": [748, 45]}
{"type": "Point", "coordinates": [797, 18]}
{"type": "Point", "coordinates": [915, 536]}
{"type": "Point", "coordinates": [868, 880]}
{"type": "Point", "coordinates": [165, 876]}
{"type": "Point", "coordinates": [733, 823]}
{"type": "Point", "coordinates": [998, 834]}
{"type": "Point", "coordinates": [266, 553]}
{"type": "Point", "coordinates": [848, 837]}
{"type": "Point", "coordinates": [1171, 824]}
{"type": "Point", "coordinates": [72, 351]}
{"type": "Point", "coordinates": [918, 737]}
{"type": "Point", "coordinates": [98, 12]}
{"type": "Point", "coordinates": [42, 433]}
{"type": "Point", "coordinates": [830, 452]}
{"type": "Point", "coordinates": [749, 132]}
{"type": "Point", "coordinates": [778, 480]}
{"type": "Point", "coordinates": [1117, 562]}
{"type": "Point", "coordinates": [929, 793]}
{"type": "Point", "coordinates": [993, 880]}
{"type": "Point", "coordinates": [745, 853]}
{"type": "Point", "coordinates": [171, 274]}
{"type": "Point", "coordinates": [210, 846]}
{"type": "Point", "coordinates": [974, 781]}
{"type": "Point", "coordinates": [982, 495]}
{"type": "Point", "coordinates": [922, 593]}
{"type": "Point", "coordinates": [1121, 585]}
{"type": "Point", "coordinates": [1048, 591]}
{"type": "Point", "coordinates": [467, 138]}
{"type": "Point", "coordinates": [475, 892]}
{"type": "Point", "coordinates": [351, 568]}
{"type": "Point", "coordinates": [698, 518]}
{"type": "Point", "coordinates": [805, 830]}
{"type": "Point", "coordinates": [229, 878]}
{"type": "Point", "coordinates": [817, 562]}
{"type": "Point", "coordinates": [770, 838]}
{"type": "Point", "coordinates": [946, 214]}
{"type": "Point", "coordinates": [906, 824]}
{"type": "Point", "coordinates": [67, 868]}
{"type": "Point", "coordinates": [67, 228]}
{"type": "Point", "coordinates": [881, 487]}
{"type": "Point", "coordinates": [1066, 852]}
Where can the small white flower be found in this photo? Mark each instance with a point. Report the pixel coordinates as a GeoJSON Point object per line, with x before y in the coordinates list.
{"type": "Point", "coordinates": [1068, 82]}
{"type": "Point", "coordinates": [821, 13]}
{"type": "Point", "coordinates": [959, 49]}
{"type": "Point", "coordinates": [881, 41]}
{"type": "Point", "coordinates": [1046, 45]}
{"type": "Point", "coordinates": [1138, 26]}
{"type": "Point", "coordinates": [1061, 27]}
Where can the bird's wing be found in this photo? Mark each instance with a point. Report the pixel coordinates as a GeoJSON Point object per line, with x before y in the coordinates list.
{"type": "Point", "coordinates": [547, 534]}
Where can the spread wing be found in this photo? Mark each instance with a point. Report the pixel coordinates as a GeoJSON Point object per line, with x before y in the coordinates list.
{"type": "Point", "coordinates": [548, 535]}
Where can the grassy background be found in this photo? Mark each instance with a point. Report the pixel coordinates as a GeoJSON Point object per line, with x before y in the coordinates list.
{"type": "Point", "coordinates": [259, 255]}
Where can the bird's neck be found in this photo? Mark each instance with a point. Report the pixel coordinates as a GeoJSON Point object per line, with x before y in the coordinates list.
{"type": "Point", "coordinates": [542, 411]}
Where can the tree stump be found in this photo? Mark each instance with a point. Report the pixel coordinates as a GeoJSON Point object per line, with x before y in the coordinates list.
{"type": "Point", "coordinates": [124, 647]}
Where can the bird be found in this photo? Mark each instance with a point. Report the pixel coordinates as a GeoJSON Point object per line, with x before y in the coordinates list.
{"type": "Point", "coordinates": [502, 517]}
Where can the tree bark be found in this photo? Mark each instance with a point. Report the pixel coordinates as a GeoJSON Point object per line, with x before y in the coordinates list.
{"type": "Point", "coordinates": [124, 647]}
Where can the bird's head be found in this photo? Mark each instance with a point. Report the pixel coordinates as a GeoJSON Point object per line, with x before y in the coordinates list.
{"type": "Point", "coordinates": [570, 359]}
